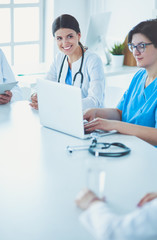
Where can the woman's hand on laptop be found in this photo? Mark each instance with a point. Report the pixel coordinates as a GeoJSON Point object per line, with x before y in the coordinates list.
{"type": "Point", "coordinates": [99, 123]}
{"type": "Point", "coordinates": [34, 103]}
{"type": "Point", "coordinates": [90, 114]}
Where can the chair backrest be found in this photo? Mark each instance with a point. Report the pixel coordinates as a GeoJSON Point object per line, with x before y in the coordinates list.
{"type": "Point", "coordinates": [113, 96]}
{"type": "Point", "coordinates": [129, 59]}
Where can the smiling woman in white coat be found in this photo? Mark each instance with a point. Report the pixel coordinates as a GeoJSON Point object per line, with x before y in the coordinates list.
{"type": "Point", "coordinates": [75, 64]}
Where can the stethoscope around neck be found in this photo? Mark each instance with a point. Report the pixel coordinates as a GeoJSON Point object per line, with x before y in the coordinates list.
{"type": "Point", "coordinates": [79, 71]}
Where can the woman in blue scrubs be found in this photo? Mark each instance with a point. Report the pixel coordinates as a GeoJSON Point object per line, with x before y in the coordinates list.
{"type": "Point", "coordinates": [136, 113]}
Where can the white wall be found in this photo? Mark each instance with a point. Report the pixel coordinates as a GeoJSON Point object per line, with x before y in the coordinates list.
{"type": "Point", "coordinates": [49, 16]}
{"type": "Point", "coordinates": [126, 14]}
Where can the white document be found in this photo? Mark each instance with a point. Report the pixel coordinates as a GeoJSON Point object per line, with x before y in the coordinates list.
{"type": "Point", "coordinates": [7, 86]}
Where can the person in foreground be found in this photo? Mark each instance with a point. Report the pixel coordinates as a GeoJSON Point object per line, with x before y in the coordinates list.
{"type": "Point", "coordinates": [75, 64]}
{"type": "Point", "coordinates": [136, 114]}
{"type": "Point", "coordinates": [7, 76]}
{"type": "Point", "coordinates": [101, 222]}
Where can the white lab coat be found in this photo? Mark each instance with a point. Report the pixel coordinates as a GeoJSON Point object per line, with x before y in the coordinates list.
{"type": "Point", "coordinates": [93, 87]}
{"type": "Point", "coordinates": [141, 224]}
{"type": "Point", "coordinates": [7, 76]}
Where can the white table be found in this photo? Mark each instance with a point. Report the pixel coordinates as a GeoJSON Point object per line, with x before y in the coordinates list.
{"type": "Point", "coordinates": [39, 179]}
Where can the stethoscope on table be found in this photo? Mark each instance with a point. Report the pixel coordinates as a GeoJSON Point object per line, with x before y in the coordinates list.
{"type": "Point", "coordinates": [76, 74]}
{"type": "Point", "coordinates": [99, 149]}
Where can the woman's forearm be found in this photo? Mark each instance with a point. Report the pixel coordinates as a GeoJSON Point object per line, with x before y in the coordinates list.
{"type": "Point", "coordinates": [147, 134]}
{"type": "Point", "coordinates": [109, 113]}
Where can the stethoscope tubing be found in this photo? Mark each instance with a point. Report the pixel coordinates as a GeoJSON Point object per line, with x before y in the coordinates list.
{"type": "Point", "coordinates": [95, 149]}
{"type": "Point", "coordinates": [76, 74]}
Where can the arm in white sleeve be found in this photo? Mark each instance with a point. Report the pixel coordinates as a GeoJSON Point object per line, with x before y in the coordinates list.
{"type": "Point", "coordinates": [8, 77]}
{"type": "Point", "coordinates": [137, 225]}
{"type": "Point", "coordinates": [17, 94]}
{"type": "Point", "coordinates": [96, 90]}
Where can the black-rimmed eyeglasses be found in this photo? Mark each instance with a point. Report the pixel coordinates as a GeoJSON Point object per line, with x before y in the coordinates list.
{"type": "Point", "coordinates": [140, 47]}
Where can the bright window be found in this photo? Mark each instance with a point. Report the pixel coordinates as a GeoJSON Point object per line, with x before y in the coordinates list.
{"type": "Point", "coordinates": [21, 27]}
{"type": "Point", "coordinates": [5, 29]}
{"type": "Point", "coordinates": [29, 53]}
{"type": "Point", "coordinates": [4, 1]}
{"type": "Point", "coordinates": [27, 1]}
{"type": "Point", "coordinates": [26, 24]}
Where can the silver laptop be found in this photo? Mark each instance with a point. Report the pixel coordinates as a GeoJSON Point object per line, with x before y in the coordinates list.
{"type": "Point", "coordinates": [60, 108]}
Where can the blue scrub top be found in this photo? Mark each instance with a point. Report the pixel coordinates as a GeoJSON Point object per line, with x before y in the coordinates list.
{"type": "Point", "coordinates": [139, 104]}
{"type": "Point", "coordinates": [68, 79]}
